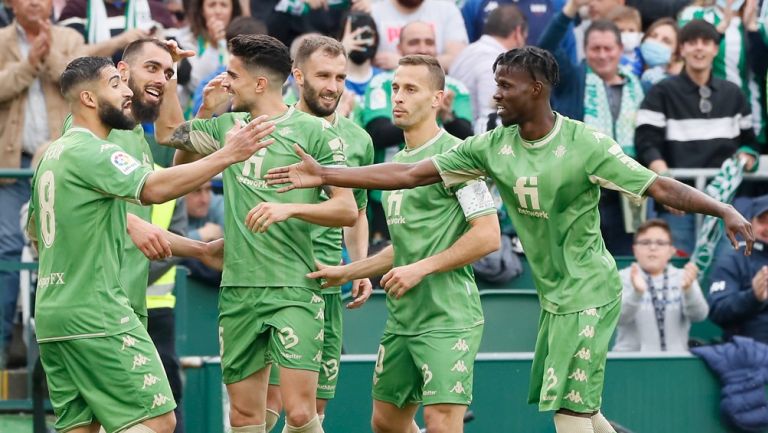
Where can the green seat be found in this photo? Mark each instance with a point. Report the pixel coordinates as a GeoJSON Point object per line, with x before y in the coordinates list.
{"type": "Point", "coordinates": [364, 326]}
{"type": "Point", "coordinates": [511, 320]}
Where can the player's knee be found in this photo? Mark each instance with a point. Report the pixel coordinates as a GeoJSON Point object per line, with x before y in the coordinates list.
{"type": "Point", "coordinates": [299, 416]}
{"type": "Point", "coordinates": [165, 423]}
{"type": "Point", "coordinates": [382, 424]}
{"type": "Point", "coordinates": [240, 414]}
{"type": "Point", "coordinates": [443, 418]}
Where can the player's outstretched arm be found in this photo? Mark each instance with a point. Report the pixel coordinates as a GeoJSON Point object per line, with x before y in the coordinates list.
{"type": "Point", "coordinates": [678, 195]}
{"type": "Point", "coordinates": [210, 253]}
{"type": "Point", "coordinates": [308, 174]}
{"type": "Point", "coordinates": [483, 238]}
{"type": "Point", "coordinates": [370, 267]}
{"type": "Point", "coordinates": [174, 182]}
{"type": "Point", "coordinates": [338, 211]}
{"type": "Point", "coordinates": [148, 238]}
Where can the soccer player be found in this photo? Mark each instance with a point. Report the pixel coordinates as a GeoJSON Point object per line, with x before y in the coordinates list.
{"type": "Point", "coordinates": [269, 311]}
{"type": "Point", "coordinates": [549, 170]}
{"type": "Point", "coordinates": [320, 71]}
{"type": "Point", "coordinates": [435, 321]}
{"type": "Point", "coordinates": [101, 366]}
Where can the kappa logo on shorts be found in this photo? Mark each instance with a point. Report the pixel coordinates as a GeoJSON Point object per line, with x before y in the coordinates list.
{"type": "Point", "coordinates": [316, 299]}
{"type": "Point", "coordinates": [461, 345]}
{"type": "Point", "coordinates": [583, 354]}
{"type": "Point", "coordinates": [458, 388]}
{"type": "Point", "coordinates": [139, 360]}
{"type": "Point", "coordinates": [588, 331]}
{"type": "Point", "coordinates": [320, 335]}
{"type": "Point", "coordinates": [149, 380]}
{"type": "Point", "coordinates": [320, 315]}
{"type": "Point", "coordinates": [590, 312]}
{"type": "Point", "coordinates": [128, 341]}
{"type": "Point", "coordinates": [574, 396]}
{"type": "Point", "coordinates": [159, 400]}
{"type": "Point", "coordinates": [578, 375]}
{"type": "Point", "coordinates": [460, 367]}
{"type": "Point", "coordinates": [318, 357]}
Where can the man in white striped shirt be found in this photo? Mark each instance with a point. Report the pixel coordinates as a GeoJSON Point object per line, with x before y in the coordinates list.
{"type": "Point", "coordinates": [694, 120]}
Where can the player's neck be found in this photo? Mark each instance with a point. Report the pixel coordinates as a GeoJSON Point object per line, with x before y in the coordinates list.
{"type": "Point", "coordinates": [537, 126]}
{"type": "Point", "coordinates": [420, 134]}
{"type": "Point", "coordinates": [271, 106]}
{"type": "Point", "coordinates": [95, 125]}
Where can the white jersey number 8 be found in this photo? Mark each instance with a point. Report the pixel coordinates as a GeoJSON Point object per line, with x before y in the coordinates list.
{"type": "Point", "coordinates": [47, 194]}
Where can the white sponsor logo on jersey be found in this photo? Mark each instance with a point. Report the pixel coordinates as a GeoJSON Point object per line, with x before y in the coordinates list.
{"type": "Point", "coordinates": [394, 205]}
{"type": "Point", "coordinates": [524, 188]}
{"type": "Point", "coordinates": [124, 162]}
{"type": "Point", "coordinates": [717, 286]}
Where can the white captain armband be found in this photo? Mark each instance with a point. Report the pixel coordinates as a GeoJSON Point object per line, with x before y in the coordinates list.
{"type": "Point", "coordinates": [475, 199]}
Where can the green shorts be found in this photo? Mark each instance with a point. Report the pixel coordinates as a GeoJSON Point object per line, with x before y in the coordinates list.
{"type": "Point", "coordinates": [435, 367]}
{"type": "Point", "coordinates": [259, 326]}
{"type": "Point", "coordinates": [117, 380]}
{"type": "Point", "coordinates": [569, 364]}
{"type": "Point", "coordinates": [331, 358]}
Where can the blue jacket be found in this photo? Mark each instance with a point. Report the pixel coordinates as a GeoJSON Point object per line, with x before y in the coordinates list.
{"type": "Point", "coordinates": [568, 96]}
{"type": "Point", "coordinates": [732, 305]}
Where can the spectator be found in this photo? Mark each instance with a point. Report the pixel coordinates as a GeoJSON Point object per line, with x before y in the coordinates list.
{"type": "Point", "coordinates": [361, 41]}
{"type": "Point", "coordinates": [604, 96]}
{"type": "Point", "coordinates": [739, 290]}
{"type": "Point", "coordinates": [694, 120]}
{"type": "Point", "coordinates": [206, 223]}
{"type": "Point", "coordinates": [206, 36]}
{"type": "Point", "coordinates": [108, 37]}
{"type": "Point", "coordinates": [289, 19]}
{"type": "Point", "coordinates": [654, 10]}
{"type": "Point", "coordinates": [33, 55]}
{"type": "Point", "coordinates": [505, 29]}
{"type": "Point", "coordinates": [659, 301]}
{"type": "Point", "coordinates": [443, 17]}
{"type": "Point", "coordinates": [627, 19]}
{"type": "Point", "coordinates": [660, 51]}
{"type": "Point", "coordinates": [538, 13]}
{"type": "Point", "coordinates": [595, 10]}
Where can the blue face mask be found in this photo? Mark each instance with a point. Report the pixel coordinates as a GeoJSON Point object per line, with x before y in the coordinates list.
{"type": "Point", "coordinates": [655, 53]}
{"type": "Point", "coordinates": [722, 4]}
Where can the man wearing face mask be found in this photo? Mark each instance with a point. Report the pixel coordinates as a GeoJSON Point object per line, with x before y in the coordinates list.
{"type": "Point", "coordinates": [360, 40]}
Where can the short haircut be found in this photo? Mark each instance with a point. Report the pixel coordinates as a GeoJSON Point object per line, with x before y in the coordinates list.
{"type": "Point", "coordinates": [194, 13]}
{"type": "Point", "coordinates": [245, 26]}
{"type": "Point", "coordinates": [505, 20]}
{"type": "Point", "coordinates": [82, 70]}
{"type": "Point", "coordinates": [312, 44]}
{"type": "Point", "coordinates": [620, 13]}
{"type": "Point", "coordinates": [436, 73]}
{"type": "Point", "coordinates": [699, 29]}
{"type": "Point", "coordinates": [602, 26]}
{"type": "Point", "coordinates": [137, 46]}
{"type": "Point", "coordinates": [540, 63]}
{"type": "Point", "coordinates": [649, 224]}
{"type": "Point", "coordinates": [263, 53]}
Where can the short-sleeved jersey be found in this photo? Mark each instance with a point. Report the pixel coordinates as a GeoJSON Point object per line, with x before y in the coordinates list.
{"type": "Point", "coordinates": [283, 255]}
{"type": "Point", "coordinates": [79, 223]}
{"type": "Point", "coordinates": [134, 265]}
{"type": "Point", "coordinates": [551, 188]}
{"type": "Point", "coordinates": [377, 103]}
{"type": "Point", "coordinates": [425, 221]}
{"type": "Point", "coordinates": [358, 149]}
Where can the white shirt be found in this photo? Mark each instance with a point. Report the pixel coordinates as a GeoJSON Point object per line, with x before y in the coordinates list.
{"type": "Point", "coordinates": [444, 17]}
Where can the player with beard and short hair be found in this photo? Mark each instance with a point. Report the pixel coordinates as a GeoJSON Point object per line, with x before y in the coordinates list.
{"type": "Point", "coordinates": [549, 170]}
{"type": "Point", "coordinates": [319, 69]}
{"type": "Point", "coordinates": [100, 364]}
{"type": "Point", "coordinates": [269, 311]}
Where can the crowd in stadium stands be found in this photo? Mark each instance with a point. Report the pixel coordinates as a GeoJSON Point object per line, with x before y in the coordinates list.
{"type": "Point", "coordinates": [677, 84]}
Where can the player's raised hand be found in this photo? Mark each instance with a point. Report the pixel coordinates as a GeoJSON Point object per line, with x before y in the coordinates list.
{"type": "Point", "coordinates": [265, 214]}
{"type": "Point", "coordinates": [400, 280]}
{"type": "Point", "coordinates": [736, 224]}
{"type": "Point", "coordinates": [333, 275]}
{"type": "Point", "coordinates": [306, 174]}
{"type": "Point", "coordinates": [149, 239]}
{"type": "Point", "coordinates": [215, 97]}
{"type": "Point", "coordinates": [213, 256]}
{"type": "Point", "coordinates": [176, 52]}
{"type": "Point", "coordinates": [361, 291]}
{"type": "Point", "coordinates": [244, 141]}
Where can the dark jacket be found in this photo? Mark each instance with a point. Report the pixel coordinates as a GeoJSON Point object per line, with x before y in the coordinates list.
{"type": "Point", "coordinates": [568, 96]}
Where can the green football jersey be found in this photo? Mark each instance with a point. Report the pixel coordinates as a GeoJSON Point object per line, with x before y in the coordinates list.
{"type": "Point", "coordinates": [79, 224]}
{"type": "Point", "coordinates": [425, 221]}
{"type": "Point", "coordinates": [551, 189]}
{"type": "Point", "coordinates": [358, 149]}
{"type": "Point", "coordinates": [283, 255]}
{"type": "Point", "coordinates": [134, 265]}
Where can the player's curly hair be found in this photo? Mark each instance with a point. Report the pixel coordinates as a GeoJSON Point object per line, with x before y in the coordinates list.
{"type": "Point", "coordinates": [264, 53]}
{"type": "Point", "coordinates": [541, 64]}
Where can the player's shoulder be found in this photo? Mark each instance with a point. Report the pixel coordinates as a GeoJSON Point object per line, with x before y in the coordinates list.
{"type": "Point", "coordinates": [300, 121]}
{"type": "Point", "coordinates": [446, 142]}
{"type": "Point", "coordinates": [579, 132]}
{"type": "Point", "coordinates": [348, 127]}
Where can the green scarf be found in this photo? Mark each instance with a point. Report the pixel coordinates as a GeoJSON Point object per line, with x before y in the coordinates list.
{"type": "Point", "coordinates": [597, 112]}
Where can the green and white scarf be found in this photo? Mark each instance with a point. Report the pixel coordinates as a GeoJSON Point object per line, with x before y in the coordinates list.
{"type": "Point", "coordinates": [137, 16]}
{"type": "Point", "coordinates": [597, 111]}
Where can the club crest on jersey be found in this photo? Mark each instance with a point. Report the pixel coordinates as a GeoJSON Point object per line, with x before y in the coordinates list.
{"type": "Point", "coordinates": [124, 162]}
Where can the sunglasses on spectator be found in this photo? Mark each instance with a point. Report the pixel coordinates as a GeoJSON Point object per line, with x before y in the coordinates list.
{"type": "Point", "coordinates": [705, 105]}
{"type": "Point", "coordinates": [649, 242]}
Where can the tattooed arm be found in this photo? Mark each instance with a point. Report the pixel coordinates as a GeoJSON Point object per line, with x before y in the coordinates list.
{"type": "Point", "coordinates": [678, 195]}
{"type": "Point", "coordinates": [171, 130]}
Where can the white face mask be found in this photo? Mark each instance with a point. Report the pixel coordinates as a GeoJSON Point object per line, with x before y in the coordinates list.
{"type": "Point", "coordinates": [631, 40]}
